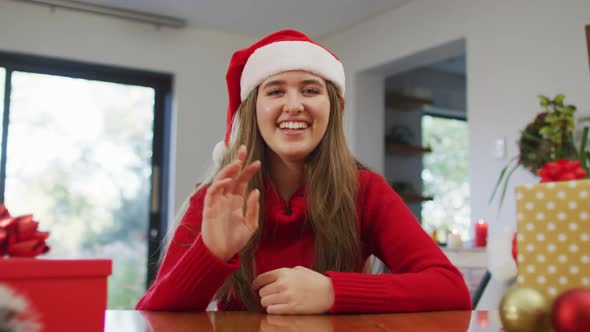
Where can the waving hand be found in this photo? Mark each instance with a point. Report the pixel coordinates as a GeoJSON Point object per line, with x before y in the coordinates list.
{"type": "Point", "coordinates": [227, 226]}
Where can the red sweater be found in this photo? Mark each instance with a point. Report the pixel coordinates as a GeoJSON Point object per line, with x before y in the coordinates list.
{"type": "Point", "coordinates": [421, 278]}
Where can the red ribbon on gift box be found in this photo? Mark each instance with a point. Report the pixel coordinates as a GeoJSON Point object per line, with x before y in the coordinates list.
{"type": "Point", "coordinates": [562, 170]}
{"type": "Point", "coordinates": [19, 236]}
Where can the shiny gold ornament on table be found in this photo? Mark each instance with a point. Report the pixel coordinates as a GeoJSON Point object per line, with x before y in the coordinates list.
{"type": "Point", "coordinates": [524, 310]}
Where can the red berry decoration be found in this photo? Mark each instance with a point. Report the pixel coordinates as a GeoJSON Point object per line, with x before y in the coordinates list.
{"type": "Point", "coordinates": [571, 311]}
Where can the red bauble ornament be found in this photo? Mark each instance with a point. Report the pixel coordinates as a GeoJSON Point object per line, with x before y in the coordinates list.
{"type": "Point", "coordinates": [514, 248]}
{"type": "Point", "coordinates": [571, 311]}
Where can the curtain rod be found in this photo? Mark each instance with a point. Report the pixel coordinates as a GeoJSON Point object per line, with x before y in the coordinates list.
{"type": "Point", "coordinates": [158, 20]}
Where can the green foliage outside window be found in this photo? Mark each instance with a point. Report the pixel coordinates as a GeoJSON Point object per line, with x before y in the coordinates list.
{"type": "Point", "coordinates": [445, 175]}
{"type": "Point", "coordinates": [79, 158]}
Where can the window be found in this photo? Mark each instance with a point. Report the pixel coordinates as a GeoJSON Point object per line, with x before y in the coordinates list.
{"type": "Point", "coordinates": [84, 145]}
{"type": "Point", "coordinates": [445, 175]}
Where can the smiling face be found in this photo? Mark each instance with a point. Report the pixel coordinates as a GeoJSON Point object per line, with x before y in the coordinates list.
{"type": "Point", "coordinates": [292, 112]}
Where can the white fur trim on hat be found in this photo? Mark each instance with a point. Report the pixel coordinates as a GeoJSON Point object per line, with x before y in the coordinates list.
{"type": "Point", "coordinates": [290, 55]}
{"type": "Point", "coordinates": [219, 152]}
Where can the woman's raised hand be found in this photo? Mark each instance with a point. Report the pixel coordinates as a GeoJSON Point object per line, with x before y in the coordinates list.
{"type": "Point", "coordinates": [227, 226]}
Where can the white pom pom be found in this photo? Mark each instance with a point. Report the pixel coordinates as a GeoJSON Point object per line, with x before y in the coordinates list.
{"type": "Point", "coordinates": [219, 152]}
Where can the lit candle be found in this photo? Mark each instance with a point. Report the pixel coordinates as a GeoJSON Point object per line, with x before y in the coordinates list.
{"type": "Point", "coordinates": [482, 319]}
{"type": "Point", "coordinates": [481, 233]}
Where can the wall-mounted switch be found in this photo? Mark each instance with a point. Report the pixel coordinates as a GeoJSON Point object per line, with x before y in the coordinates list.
{"type": "Point", "coordinates": [500, 148]}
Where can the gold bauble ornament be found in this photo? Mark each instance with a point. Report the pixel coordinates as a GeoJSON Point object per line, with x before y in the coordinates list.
{"type": "Point", "coordinates": [524, 310]}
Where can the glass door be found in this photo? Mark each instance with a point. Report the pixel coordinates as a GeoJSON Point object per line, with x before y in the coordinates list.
{"type": "Point", "coordinates": [80, 157]}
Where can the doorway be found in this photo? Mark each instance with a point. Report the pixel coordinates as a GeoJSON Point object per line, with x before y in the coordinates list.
{"type": "Point", "coordinates": [426, 137]}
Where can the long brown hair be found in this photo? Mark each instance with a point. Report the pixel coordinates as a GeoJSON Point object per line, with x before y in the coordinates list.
{"type": "Point", "coordinates": [331, 187]}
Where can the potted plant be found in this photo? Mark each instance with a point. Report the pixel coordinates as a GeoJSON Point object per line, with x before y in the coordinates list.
{"type": "Point", "coordinates": [547, 147]}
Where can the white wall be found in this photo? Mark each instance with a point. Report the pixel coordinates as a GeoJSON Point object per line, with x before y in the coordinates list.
{"type": "Point", "coordinates": [197, 58]}
{"type": "Point", "coordinates": [515, 51]}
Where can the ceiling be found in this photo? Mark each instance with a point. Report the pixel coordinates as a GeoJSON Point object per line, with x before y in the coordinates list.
{"type": "Point", "coordinates": [316, 18]}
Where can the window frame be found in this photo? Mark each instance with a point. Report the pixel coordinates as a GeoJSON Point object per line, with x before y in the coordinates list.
{"type": "Point", "coordinates": [161, 83]}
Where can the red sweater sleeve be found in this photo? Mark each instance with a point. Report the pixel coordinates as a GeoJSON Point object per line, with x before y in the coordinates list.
{"type": "Point", "coordinates": [421, 278]}
{"type": "Point", "coordinates": [190, 274]}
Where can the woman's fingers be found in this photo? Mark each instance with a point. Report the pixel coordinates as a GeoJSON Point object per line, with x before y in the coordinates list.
{"type": "Point", "coordinates": [269, 289]}
{"type": "Point", "coordinates": [266, 278]}
{"type": "Point", "coordinates": [241, 180]}
{"type": "Point", "coordinates": [276, 298]}
{"type": "Point", "coordinates": [235, 179]}
{"type": "Point", "coordinates": [233, 169]}
{"type": "Point", "coordinates": [244, 177]}
{"type": "Point", "coordinates": [215, 190]}
{"type": "Point", "coordinates": [280, 309]}
{"type": "Point", "coordinates": [229, 171]}
{"type": "Point", "coordinates": [252, 207]}
{"type": "Point", "coordinates": [242, 151]}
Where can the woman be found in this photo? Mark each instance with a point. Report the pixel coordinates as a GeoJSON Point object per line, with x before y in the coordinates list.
{"type": "Point", "coordinates": [290, 217]}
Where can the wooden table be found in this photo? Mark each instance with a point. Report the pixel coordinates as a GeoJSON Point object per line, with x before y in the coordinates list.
{"type": "Point", "coordinates": [450, 321]}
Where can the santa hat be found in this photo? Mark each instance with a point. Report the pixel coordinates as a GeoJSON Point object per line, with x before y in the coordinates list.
{"type": "Point", "coordinates": [281, 51]}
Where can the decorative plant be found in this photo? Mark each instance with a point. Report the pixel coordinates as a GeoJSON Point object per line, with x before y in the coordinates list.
{"type": "Point", "coordinates": [547, 147]}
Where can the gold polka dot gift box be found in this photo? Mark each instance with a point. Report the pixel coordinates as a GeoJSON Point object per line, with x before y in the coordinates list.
{"type": "Point", "coordinates": [554, 236]}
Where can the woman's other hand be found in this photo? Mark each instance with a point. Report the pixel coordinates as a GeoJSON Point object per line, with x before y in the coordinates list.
{"type": "Point", "coordinates": [227, 226]}
{"type": "Point", "coordinates": [294, 291]}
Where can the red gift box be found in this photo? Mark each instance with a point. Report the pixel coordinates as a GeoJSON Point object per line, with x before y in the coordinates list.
{"type": "Point", "coordinates": [66, 295]}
